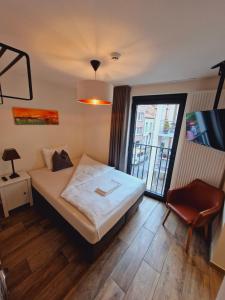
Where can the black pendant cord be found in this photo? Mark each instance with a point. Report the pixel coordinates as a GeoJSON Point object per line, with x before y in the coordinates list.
{"type": "Point", "coordinates": [221, 65]}
{"type": "Point", "coordinates": [1, 97]}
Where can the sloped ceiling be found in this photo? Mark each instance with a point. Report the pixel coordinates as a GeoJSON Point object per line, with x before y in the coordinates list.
{"type": "Point", "coordinates": [159, 40]}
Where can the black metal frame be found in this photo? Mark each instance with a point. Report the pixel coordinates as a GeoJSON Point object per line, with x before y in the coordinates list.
{"type": "Point", "coordinates": [158, 99]}
{"type": "Point", "coordinates": [20, 55]}
{"type": "Point", "coordinates": [221, 67]}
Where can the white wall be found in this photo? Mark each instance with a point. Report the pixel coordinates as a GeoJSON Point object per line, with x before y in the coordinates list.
{"type": "Point", "coordinates": [175, 87]}
{"type": "Point", "coordinates": [193, 157]}
{"type": "Point", "coordinates": [29, 139]}
{"type": "Point", "coordinates": [97, 123]}
{"type": "Point", "coordinates": [218, 241]}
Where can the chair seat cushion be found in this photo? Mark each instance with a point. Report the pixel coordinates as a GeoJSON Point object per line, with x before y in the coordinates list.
{"type": "Point", "coordinates": [187, 213]}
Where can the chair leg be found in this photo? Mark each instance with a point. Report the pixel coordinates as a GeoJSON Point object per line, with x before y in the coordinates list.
{"type": "Point", "coordinates": [206, 231]}
{"type": "Point", "coordinates": [189, 237]}
{"type": "Point", "coordinates": [166, 216]}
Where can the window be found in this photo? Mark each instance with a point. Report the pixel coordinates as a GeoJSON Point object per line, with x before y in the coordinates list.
{"type": "Point", "coordinates": [140, 116]}
{"type": "Point", "coordinates": [139, 130]}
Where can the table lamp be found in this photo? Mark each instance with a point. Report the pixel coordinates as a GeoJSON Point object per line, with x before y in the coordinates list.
{"type": "Point", "coordinates": [11, 154]}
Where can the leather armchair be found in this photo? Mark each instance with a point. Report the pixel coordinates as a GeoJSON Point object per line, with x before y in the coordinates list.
{"type": "Point", "coordinates": [196, 204]}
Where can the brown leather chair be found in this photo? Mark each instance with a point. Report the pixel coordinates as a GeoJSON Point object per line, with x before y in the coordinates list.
{"type": "Point", "coordinates": [196, 204]}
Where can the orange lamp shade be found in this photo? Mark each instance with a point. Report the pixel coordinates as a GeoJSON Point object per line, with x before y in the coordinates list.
{"type": "Point", "coordinates": [94, 92]}
{"type": "Point", "coordinates": [94, 101]}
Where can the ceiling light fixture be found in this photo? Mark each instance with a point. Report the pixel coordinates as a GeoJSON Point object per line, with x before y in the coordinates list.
{"type": "Point", "coordinates": [94, 92]}
{"type": "Point", "coordinates": [115, 55]}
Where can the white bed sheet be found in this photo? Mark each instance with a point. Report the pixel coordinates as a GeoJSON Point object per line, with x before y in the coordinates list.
{"type": "Point", "coordinates": [51, 184]}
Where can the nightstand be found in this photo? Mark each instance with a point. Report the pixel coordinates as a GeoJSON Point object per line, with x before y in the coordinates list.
{"type": "Point", "coordinates": [15, 192]}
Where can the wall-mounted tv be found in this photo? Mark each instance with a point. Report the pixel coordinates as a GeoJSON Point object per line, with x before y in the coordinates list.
{"type": "Point", "coordinates": [207, 128]}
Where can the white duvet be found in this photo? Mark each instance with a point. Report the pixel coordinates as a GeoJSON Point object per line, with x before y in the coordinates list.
{"type": "Point", "coordinates": [89, 176]}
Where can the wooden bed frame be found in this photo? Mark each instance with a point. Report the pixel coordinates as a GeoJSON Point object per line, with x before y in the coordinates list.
{"type": "Point", "coordinates": [91, 251]}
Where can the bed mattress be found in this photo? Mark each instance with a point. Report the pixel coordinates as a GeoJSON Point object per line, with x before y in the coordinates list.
{"type": "Point", "coordinates": [51, 184]}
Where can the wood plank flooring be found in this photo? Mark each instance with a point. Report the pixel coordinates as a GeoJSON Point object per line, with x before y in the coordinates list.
{"type": "Point", "coordinates": [145, 260]}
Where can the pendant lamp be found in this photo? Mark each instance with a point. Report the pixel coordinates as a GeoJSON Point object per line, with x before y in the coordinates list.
{"type": "Point", "coordinates": [94, 92]}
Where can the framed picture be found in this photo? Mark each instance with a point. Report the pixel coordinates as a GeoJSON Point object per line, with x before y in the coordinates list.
{"type": "Point", "coordinates": [33, 116]}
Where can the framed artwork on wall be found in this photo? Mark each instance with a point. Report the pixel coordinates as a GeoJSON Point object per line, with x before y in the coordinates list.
{"type": "Point", "coordinates": [33, 116]}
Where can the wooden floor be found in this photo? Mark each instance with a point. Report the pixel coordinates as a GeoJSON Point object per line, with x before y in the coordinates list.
{"type": "Point", "coordinates": [145, 261]}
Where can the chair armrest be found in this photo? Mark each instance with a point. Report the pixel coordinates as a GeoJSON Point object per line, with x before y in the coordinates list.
{"type": "Point", "coordinates": [209, 211]}
{"type": "Point", "coordinates": [205, 215]}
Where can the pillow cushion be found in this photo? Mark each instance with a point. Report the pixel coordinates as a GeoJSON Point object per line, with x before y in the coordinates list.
{"type": "Point", "coordinates": [61, 161]}
{"type": "Point", "coordinates": [48, 153]}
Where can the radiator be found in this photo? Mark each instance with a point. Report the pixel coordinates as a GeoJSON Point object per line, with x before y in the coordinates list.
{"type": "Point", "coordinates": [197, 161]}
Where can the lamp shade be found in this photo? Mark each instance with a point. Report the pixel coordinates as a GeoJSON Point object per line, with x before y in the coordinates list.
{"type": "Point", "coordinates": [10, 154]}
{"type": "Point", "coordinates": [94, 92]}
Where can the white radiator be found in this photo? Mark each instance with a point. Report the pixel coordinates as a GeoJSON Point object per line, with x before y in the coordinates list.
{"type": "Point", "coordinates": [197, 161]}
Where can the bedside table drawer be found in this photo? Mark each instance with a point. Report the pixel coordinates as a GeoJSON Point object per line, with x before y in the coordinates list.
{"type": "Point", "coordinates": [16, 194]}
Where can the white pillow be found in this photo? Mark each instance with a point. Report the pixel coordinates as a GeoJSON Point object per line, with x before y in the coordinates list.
{"type": "Point", "coordinates": [48, 152]}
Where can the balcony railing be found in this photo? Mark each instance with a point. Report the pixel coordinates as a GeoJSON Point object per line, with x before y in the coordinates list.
{"type": "Point", "coordinates": [150, 163]}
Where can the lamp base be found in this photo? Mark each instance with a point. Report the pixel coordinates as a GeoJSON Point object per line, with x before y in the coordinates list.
{"type": "Point", "coordinates": [14, 175]}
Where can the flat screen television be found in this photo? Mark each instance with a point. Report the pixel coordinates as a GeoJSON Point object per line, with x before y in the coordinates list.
{"type": "Point", "coordinates": [207, 128]}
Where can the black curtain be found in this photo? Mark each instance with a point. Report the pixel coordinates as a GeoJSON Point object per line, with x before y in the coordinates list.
{"type": "Point", "coordinates": [119, 123]}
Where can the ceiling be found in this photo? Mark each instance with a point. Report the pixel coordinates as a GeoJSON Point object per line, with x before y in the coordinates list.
{"type": "Point", "coordinates": [159, 41]}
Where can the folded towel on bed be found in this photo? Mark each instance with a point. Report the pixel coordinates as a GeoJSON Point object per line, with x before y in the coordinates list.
{"type": "Point", "coordinates": [91, 175]}
{"type": "Point", "coordinates": [107, 187]}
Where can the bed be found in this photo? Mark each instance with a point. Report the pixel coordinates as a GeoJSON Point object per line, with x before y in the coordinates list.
{"type": "Point", "coordinates": [48, 187]}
